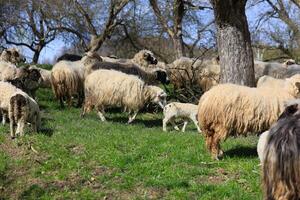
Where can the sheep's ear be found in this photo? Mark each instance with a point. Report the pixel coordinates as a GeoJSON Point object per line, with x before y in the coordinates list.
{"type": "Point", "coordinates": [8, 52]}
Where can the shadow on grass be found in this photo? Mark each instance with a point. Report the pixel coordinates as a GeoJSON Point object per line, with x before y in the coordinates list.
{"type": "Point", "coordinates": [147, 122]}
{"type": "Point", "coordinates": [47, 131]}
{"type": "Point", "coordinates": [242, 152]}
{"type": "Point", "coordinates": [33, 192]}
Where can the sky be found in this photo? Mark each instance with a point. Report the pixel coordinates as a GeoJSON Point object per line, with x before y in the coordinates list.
{"type": "Point", "coordinates": [56, 47]}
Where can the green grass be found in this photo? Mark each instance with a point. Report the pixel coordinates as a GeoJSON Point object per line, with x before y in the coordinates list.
{"type": "Point", "coordinates": [76, 158]}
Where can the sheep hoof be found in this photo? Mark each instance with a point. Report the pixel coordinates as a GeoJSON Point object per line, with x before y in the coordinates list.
{"type": "Point", "coordinates": [12, 137]}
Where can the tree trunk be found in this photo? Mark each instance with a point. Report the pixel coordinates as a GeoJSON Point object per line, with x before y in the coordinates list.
{"type": "Point", "coordinates": [234, 43]}
{"type": "Point", "coordinates": [178, 46]}
{"type": "Point", "coordinates": [36, 56]}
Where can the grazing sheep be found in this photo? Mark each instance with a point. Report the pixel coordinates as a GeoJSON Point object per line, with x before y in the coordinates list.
{"type": "Point", "coordinates": [180, 110]}
{"type": "Point", "coordinates": [270, 82]}
{"type": "Point", "coordinates": [288, 62]}
{"type": "Point", "coordinates": [274, 69]}
{"type": "Point", "coordinates": [150, 76]}
{"type": "Point", "coordinates": [143, 58]}
{"type": "Point", "coordinates": [110, 88]}
{"type": "Point", "coordinates": [23, 109]}
{"type": "Point", "coordinates": [45, 76]}
{"type": "Point", "coordinates": [12, 55]}
{"type": "Point", "coordinates": [291, 108]}
{"type": "Point", "coordinates": [9, 71]}
{"type": "Point", "coordinates": [231, 110]}
{"type": "Point", "coordinates": [67, 78]}
{"type": "Point", "coordinates": [281, 161]}
{"type": "Point", "coordinates": [69, 57]}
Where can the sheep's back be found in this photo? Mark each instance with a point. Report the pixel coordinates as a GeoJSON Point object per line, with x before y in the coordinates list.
{"type": "Point", "coordinates": [113, 88]}
{"type": "Point", "coordinates": [6, 91]}
{"type": "Point", "coordinates": [236, 109]}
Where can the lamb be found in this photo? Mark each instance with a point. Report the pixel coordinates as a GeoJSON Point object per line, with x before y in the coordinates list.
{"type": "Point", "coordinates": [69, 57]}
{"type": "Point", "coordinates": [45, 76]}
{"type": "Point", "coordinates": [245, 110]}
{"type": "Point", "coordinates": [281, 169]}
{"type": "Point", "coordinates": [23, 109]}
{"type": "Point", "coordinates": [150, 76]}
{"type": "Point", "coordinates": [67, 78]}
{"type": "Point", "coordinates": [143, 58]}
{"type": "Point", "coordinates": [180, 110]}
{"type": "Point", "coordinates": [12, 55]}
{"type": "Point", "coordinates": [291, 108]}
{"type": "Point", "coordinates": [110, 88]}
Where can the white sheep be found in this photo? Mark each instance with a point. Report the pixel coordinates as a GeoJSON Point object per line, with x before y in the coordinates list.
{"type": "Point", "coordinates": [245, 110]}
{"type": "Point", "coordinates": [22, 110]}
{"type": "Point", "coordinates": [7, 90]}
{"type": "Point", "coordinates": [180, 110]}
{"type": "Point", "coordinates": [143, 58]}
{"type": "Point", "coordinates": [110, 88]}
{"type": "Point", "coordinates": [67, 78]}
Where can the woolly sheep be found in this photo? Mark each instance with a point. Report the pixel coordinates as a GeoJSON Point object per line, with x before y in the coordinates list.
{"type": "Point", "coordinates": [67, 78]}
{"type": "Point", "coordinates": [280, 168]}
{"type": "Point", "coordinates": [22, 110]}
{"type": "Point", "coordinates": [150, 76]}
{"type": "Point", "coordinates": [143, 58]}
{"type": "Point", "coordinates": [180, 110]}
{"type": "Point", "coordinates": [110, 88]}
{"type": "Point", "coordinates": [245, 110]}
{"type": "Point", "coordinates": [45, 76]}
{"type": "Point", "coordinates": [204, 73]}
{"type": "Point", "coordinates": [12, 55]}
{"type": "Point", "coordinates": [291, 108]}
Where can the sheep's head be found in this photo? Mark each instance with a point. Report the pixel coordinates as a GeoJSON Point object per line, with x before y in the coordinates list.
{"type": "Point", "coordinates": [157, 95]}
{"type": "Point", "coordinates": [12, 55]}
{"type": "Point", "coordinates": [90, 58]}
{"type": "Point", "coordinates": [149, 57]}
{"type": "Point", "coordinates": [162, 76]}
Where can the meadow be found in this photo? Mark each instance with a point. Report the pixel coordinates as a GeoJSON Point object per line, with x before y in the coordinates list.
{"type": "Point", "coordinates": [75, 158]}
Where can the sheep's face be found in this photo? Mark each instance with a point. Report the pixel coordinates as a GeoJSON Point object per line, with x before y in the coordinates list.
{"type": "Point", "coordinates": [13, 55]}
{"type": "Point", "coordinates": [150, 58]}
{"type": "Point", "coordinates": [32, 79]}
{"type": "Point", "coordinates": [160, 99]}
{"type": "Point", "coordinates": [162, 77]}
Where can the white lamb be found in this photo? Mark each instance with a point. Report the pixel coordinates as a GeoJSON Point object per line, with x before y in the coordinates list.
{"type": "Point", "coordinates": [180, 110]}
{"type": "Point", "coordinates": [110, 88]}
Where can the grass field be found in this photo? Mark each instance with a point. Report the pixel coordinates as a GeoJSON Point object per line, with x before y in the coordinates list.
{"type": "Point", "coordinates": [76, 158]}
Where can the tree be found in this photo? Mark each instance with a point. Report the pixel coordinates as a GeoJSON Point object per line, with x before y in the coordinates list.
{"type": "Point", "coordinates": [234, 43]}
{"type": "Point", "coordinates": [31, 27]}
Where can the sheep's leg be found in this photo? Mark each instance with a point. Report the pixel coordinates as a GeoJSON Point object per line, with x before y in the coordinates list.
{"type": "Point", "coordinates": [20, 127]}
{"type": "Point", "coordinates": [184, 125]}
{"type": "Point", "coordinates": [133, 117]}
{"type": "Point", "coordinates": [12, 129]}
{"type": "Point", "coordinates": [174, 125]}
{"type": "Point", "coordinates": [3, 118]}
{"type": "Point", "coordinates": [34, 125]}
{"type": "Point", "coordinates": [165, 122]}
{"type": "Point", "coordinates": [196, 123]}
{"type": "Point", "coordinates": [61, 101]}
{"type": "Point", "coordinates": [100, 112]}
{"type": "Point", "coordinates": [215, 148]}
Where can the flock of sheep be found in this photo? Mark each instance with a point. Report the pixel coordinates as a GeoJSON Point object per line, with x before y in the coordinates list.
{"type": "Point", "coordinates": [224, 109]}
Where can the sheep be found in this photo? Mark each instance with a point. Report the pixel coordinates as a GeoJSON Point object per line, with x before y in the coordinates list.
{"type": "Point", "coordinates": [45, 76]}
{"type": "Point", "coordinates": [288, 62]}
{"type": "Point", "coordinates": [274, 69]}
{"type": "Point", "coordinates": [110, 88]}
{"type": "Point", "coordinates": [291, 108]}
{"type": "Point", "coordinates": [245, 110]}
{"type": "Point", "coordinates": [143, 58]}
{"type": "Point", "coordinates": [280, 168]}
{"type": "Point", "coordinates": [23, 109]}
{"type": "Point", "coordinates": [180, 110]}
{"type": "Point", "coordinates": [203, 73]}
{"type": "Point", "coordinates": [67, 78]}
{"type": "Point", "coordinates": [69, 57]}
{"type": "Point", "coordinates": [150, 76]}
{"type": "Point", "coordinates": [12, 55]}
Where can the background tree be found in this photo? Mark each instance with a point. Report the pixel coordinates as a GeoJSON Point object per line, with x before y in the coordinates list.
{"type": "Point", "coordinates": [234, 43]}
